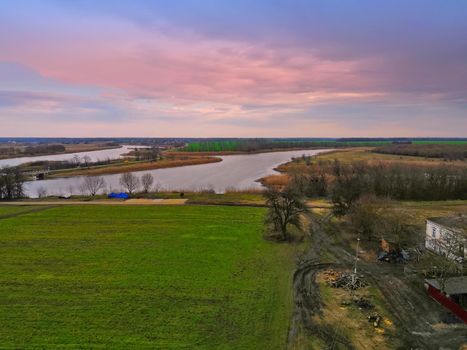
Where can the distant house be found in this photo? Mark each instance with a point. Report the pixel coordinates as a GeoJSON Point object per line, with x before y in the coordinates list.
{"type": "Point", "coordinates": [447, 236]}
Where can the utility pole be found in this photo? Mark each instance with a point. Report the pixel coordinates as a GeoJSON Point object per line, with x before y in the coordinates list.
{"type": "Point", "coordinates": [356, 256]}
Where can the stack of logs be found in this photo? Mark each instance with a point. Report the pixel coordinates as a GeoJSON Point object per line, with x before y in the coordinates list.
{"type": "Point", "coordinates": [346, 280]}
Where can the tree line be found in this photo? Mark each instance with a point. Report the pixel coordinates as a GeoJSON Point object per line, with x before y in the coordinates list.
{"type": "Point", "coordinates": [11, 184]}
{"type": "Point", "coordinates": [444, 151]}
{"type": "Point", "coordinates": [130, 183]}
{"type": "Point", "coordinates": [344, 183]}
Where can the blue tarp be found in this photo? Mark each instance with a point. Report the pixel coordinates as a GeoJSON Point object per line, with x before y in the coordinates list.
{"type": "Point", "coordinates": [121, 195]}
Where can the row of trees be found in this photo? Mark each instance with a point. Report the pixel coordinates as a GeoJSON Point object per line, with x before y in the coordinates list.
{"type": "Point", "coordinates": [345, 183]}
{"type": "Point", "coordinates": [74, 162]}
{"type": "Point", "coordinates": [447, 151]}
{"type": "Point", "coordinates": [149, 154]}
{"type": "Point", "coordinates": [42, 149]}
{"type": "Point", "coordinates": [129, 182]}
{"type": "Point", "coordinates": [11, 183]}
{"type": "Point", "coordinates": [372, 217]}
{"type": "Point", "coordinates": [396, 181]}
{"type": "Point", "coordinates": [350, 185]}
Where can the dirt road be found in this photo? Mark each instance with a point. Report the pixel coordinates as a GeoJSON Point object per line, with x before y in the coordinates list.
{"type": "Point", "coordinates": [418, 317]}
{"type": "Point", "coordinates": [307, 299]}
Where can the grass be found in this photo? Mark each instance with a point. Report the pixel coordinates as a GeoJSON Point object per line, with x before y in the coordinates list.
{"type": "Point", "coordinates": [420, 211]}
{"type": "Point", "coordinates": [258, 145]}
{"type": "Point", "coordinates": [143, 277]}
{"type": "Point", "coordinates": [350, 321]}
{"type": "Point", "coordinates": [252, 198]}
{"type": "Point", "coordinates": [214, 146]}
{"type": "Point", "coordinates": [12, 210]}
{"type": "Point", "coordinates": [365, 154]}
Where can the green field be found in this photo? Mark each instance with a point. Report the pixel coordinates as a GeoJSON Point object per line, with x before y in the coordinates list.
{"type": "Point", "coordinates": [168, 277]}
{"type": "Point", "coordinates": [215, 146]}
{"type": "Point", "coordinates": [11, 210]}
{"type": "Point", "coordinates": [253, 146]}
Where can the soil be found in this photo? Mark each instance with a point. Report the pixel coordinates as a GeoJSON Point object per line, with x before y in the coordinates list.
{"type": "Point", "coordinates": [307, 300]}
{"type": "Point", "coordinates": [418, 318]}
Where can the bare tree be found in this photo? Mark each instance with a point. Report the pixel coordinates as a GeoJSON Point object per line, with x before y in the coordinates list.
{"type": "Point", "coordinates": [11, 183]}
{"type": "Point", "coordinates": [76, 160]}
{"type": "Point", "coordinates": [153, 153]}
{"type": "Point", "coordinates": [87, 161]}
{"type": "Point", "coordinates": [371, 216]}
{"type": "Point", "coordinates": [41, 192]}
{"type": "Point", "coordinates": [451, 261]}
{"type": "Point", "coordinates": [147, 181]}
{"type": "Point", "coordinates": [365, 216]}
{"type": "Point", "coordinates": [93, 184]}
{"type": "Point", "coordinates": [130, 182]}
{"type": "Point", "coordinates": [285, 208]}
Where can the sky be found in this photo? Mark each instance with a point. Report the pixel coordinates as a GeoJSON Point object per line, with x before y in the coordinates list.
{"type": "Point", "coordinates": [243, 68]}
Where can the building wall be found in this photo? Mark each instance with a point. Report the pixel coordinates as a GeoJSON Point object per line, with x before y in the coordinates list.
{"type": "Point", "coordinates": [436, 236]}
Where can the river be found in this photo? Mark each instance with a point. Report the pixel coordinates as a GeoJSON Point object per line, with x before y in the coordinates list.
{"type": "Point", "coordinates": [238, 172]}
{"type": "Point", "coordinates": [113, 153]}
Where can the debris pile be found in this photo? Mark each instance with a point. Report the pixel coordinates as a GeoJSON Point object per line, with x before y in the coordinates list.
{"type": "Point", "coordinates": [346, 280]}
{"type": "Point", "coordinates": [375, 318]}
{"type": "Point", "coordinates": [363, 303]}
{"type": "Point", "coordinates": [392, 253]}
{"type": "Point", "coordinates": [394, 256]}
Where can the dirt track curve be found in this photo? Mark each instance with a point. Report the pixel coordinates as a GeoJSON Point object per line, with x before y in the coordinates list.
{"type": "Point", "coordinates": [415, 313]}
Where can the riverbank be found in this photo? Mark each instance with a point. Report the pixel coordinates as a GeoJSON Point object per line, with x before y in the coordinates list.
{"type": "Point", "coordinates": [236, 172]}
{"type": "Point", "coordinates": [350, 155]}
{"type": "Point", "coordinates": [233, 153]}
{"type": "Point", "coordinates": [69, 149]}
{"type": "Point", "coordinates": [130, 166]}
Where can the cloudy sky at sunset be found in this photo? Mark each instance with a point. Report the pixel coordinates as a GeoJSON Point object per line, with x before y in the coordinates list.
{"type": "Point", "coordinates": [233, 68]}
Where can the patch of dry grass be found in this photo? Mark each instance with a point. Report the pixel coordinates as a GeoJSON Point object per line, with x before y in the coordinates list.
{"type": "Point", "coordinates": [341, 313]}
{"type": "Point", "coordinates": [365, 154]}
{"type": "Point", "coordinates": [276, 180]}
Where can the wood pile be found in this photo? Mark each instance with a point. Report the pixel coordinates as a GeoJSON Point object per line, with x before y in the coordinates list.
{"type": "Point", "coordinates": [346, 280]}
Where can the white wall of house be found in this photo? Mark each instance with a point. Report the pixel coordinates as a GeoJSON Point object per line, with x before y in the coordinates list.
{"type": "Point", "coordinates": [438, 236]}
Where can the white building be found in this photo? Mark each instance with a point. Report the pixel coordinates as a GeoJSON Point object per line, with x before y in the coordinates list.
{"type": "Point", "coordinates": [447, 236]}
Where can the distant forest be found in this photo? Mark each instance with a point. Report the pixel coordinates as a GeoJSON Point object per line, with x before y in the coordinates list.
{"type": "Point", "coordinates": [449, 151]}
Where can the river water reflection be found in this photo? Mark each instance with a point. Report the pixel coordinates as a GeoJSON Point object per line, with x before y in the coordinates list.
{"type": "Point", "coordinates": [233, 172]}
{"type": "Point", "coordinates": [104, 154]}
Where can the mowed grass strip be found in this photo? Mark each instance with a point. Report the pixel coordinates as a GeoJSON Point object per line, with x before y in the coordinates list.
{"type": "Point", "coordinates": [143, 277]}
{"type": "Point", "coordinates": [6, 210]}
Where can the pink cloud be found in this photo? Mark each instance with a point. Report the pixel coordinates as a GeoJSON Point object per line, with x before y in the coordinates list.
{"type": "Point", "coordinates": [186, 67]}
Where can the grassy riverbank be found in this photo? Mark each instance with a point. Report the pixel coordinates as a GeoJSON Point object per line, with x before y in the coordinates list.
{"type": "Point", "coordinates": [143, 277]}
{"type": "Point", "coordinates": [122, 166]}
